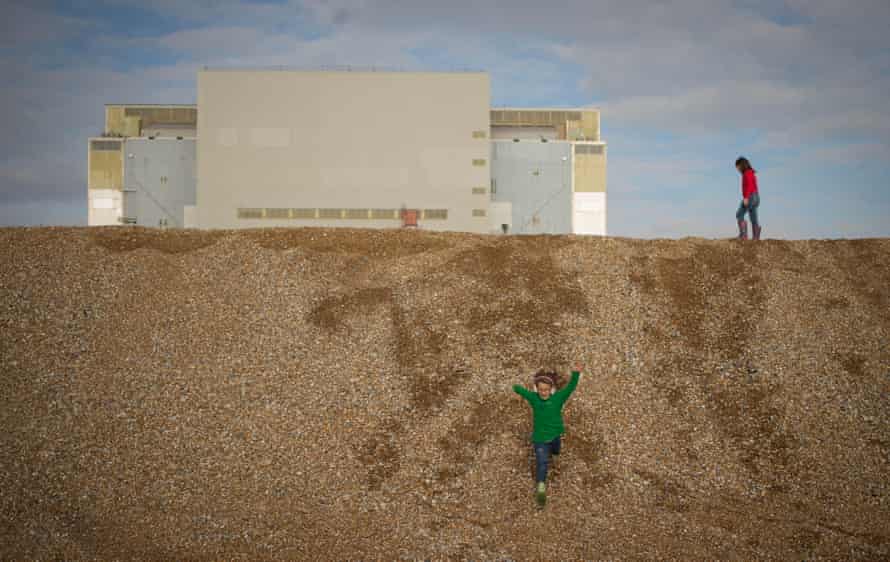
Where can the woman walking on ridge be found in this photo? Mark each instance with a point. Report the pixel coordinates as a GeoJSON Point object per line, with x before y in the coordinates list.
{"type": "Point", "coordinates": [547, 420]}
{"type": "Point", "coordinates": [750, 199]}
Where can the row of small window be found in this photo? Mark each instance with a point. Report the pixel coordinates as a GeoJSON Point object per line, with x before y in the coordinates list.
{"type": "Point", "coordinates": [513, 117]}
{"type": "Point", "coordinates": [172, 115]}
{"type": "Point", "coordinates": [105, 145]}
{"type": "Point", "coordinates": [589, 149]}
{"type": "Point", "coordinates": [377, 214]}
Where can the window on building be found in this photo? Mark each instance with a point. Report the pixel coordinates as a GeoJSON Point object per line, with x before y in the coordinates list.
{"type": "Point", "coordinates": [105, 145]}
{"type": "Point", "coordinates": [250, 213]}
{"type": "Point", "coordinates": [303, 213]}
{"type": "Point", "coordinates": [277, 213]}
{"type": "Point", "coordinates": [330, 213]}
{"type": "Point", "coordinates": [435, 214]}
{"type": "Point", "coordinates": [382, 214]}
{"type": "Point", "coordinates": [589, 149]}
{"type": "Point", "coordinates": [356, 213]}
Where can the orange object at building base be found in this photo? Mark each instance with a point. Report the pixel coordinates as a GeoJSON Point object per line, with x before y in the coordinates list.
{"type": "Point", "coordinates": [409, 218]}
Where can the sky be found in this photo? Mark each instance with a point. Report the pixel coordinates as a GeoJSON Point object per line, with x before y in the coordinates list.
{"type": "Point", "coordinates": [799, 87]}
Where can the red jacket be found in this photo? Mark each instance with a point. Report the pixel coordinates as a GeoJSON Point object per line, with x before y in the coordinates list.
{"type": "Point", "coordinates": [749, 184]}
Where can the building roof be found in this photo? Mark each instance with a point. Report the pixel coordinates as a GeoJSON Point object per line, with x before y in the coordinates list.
{"type": "Point", "coordinates": [151, 104]}
{"type": "Point", "coordinates": [344, 69]}
{"type": "Point", "coordinates": [502, 108]}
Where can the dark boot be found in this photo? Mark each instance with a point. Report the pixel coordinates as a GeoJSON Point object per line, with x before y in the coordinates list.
{"type": "Point", "coordinates": [743, 230]}
{"type": "Point", "coordinates": [756, 229]}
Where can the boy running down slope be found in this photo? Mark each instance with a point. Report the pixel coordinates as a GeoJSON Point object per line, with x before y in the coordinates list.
{"type": "Point", "coordinates": [547, 418]}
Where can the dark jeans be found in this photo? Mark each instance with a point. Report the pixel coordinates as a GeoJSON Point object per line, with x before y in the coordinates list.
{"type": "Point", "coordinates": [542, 457]}
{"type": "Point", "coordinates": [751, 209]}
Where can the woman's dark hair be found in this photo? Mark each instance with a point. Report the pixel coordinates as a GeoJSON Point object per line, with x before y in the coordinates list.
{"type": "Point", "coordinates": [743, 162]}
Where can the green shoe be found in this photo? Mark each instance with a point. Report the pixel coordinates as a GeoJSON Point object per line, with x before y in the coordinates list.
{"type": "Point", "coordinates": [541, 494]}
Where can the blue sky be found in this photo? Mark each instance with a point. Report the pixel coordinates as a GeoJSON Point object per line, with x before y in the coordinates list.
{"type": "Point", "coordinates": [800, 87]}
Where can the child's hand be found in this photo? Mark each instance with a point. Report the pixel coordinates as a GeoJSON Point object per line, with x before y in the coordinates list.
{"type": "Point", "coordinates": [745, 202]}
{"type": "Point", "coordinates": [578, 367]}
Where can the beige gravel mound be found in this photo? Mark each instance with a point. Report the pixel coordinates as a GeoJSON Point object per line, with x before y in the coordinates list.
{"type": "Point", "coordinates": [345, 394]}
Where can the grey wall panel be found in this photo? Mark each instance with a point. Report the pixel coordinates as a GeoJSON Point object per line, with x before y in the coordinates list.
{"type": "Point", "coordinates": [159, 176]}
{"type": "Point", "coordinates": [536, 178]}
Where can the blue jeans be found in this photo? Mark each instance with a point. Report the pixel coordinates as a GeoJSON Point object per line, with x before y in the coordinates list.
{"type": "Point", "coordinates": [542, 457]}
{"type": "Point", "coordinates": [751, 209]}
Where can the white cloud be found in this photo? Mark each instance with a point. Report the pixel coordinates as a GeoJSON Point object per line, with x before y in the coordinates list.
{"type": "Point", "coordinates": [735, 103]}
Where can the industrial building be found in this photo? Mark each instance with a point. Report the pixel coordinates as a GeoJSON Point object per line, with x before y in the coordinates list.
{"type": "Point", "coordinates": [548, 171]}
{"type": "Point", "coordinates": [360, 149]}
{"type": "Point", "coordinates": [142, 170]}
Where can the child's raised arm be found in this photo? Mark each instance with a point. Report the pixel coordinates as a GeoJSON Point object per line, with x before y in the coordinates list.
{"type": "Point", "coordinates": [568, 389]}
{"type": "Point", "coordinates": [522, 391]}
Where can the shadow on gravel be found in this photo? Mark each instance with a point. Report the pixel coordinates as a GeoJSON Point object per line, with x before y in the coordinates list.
{"type": "Point", "coordinates": [717, 336]}
{"type": "Point", "coordinates": [391, 243]}
{"type": "Point", "coordinates": [127, 239]}
{"type": "Point", "coordinates": [523, 296]}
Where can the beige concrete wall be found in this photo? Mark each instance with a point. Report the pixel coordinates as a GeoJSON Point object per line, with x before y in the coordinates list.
{"type": "Point", "coordinates": [342, 140]}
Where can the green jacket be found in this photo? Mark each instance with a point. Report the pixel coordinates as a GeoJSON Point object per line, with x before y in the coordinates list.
{"type": "Point", "coordinates": [547, 414]}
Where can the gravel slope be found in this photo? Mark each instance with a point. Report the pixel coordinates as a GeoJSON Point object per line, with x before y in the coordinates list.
{"type": "Point", "coordinates": [332, 394]}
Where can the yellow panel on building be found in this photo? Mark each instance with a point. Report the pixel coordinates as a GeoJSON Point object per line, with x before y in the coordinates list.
{"type": "Point", "coordinates": [573, 130]}
{"type": "Point", "coordinates": [568, 124]}
{"type": "Point", "coordinates": [114, 120]}
{"type": "Point", "coordinates": [130, 120]}
{"type": "Point", "coordinates": [106, 164]}
{"type": "Point", "coordinates": [590, 168]}
{"type": "Point", "coordinates": [590, 125]}
{"type": "Point", "coordinates": [132, 126]}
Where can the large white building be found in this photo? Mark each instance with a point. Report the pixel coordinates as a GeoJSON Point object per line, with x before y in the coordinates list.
{"type": "Point", "coordinates": [359, 149]}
